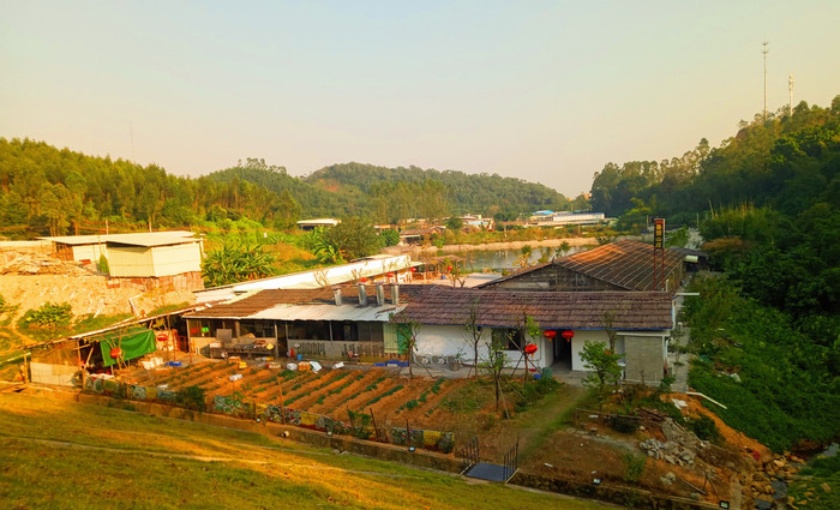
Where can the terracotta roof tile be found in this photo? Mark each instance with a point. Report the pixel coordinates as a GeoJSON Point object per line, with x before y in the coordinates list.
{"type": "Point", "coordinates": [441, 305]}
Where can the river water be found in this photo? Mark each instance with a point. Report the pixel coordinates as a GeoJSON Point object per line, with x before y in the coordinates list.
{"type": "Point", "coordinates": [497, 260]}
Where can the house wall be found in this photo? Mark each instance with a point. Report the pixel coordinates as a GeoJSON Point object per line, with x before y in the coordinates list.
{"type": "Point", "coordinates": [176, 259]}
{"type": "Point", "coordinates": [435, 342]}
{"type": "Point", "coordinates": [645, 358]}
{"type": "Point", "coordinates": [47, 373]}
{"type": "Point", "coordinates": [554, 278]}
{"type": "Point", "coordinates": [644, 355]}
{"type": "Point", "coordinates": [158, 261]}
{"type": "Point", "coordinates": [128, 261]}
{"type": "Point", "coordinates": [579, 340]}
{"type": "Point", "coordinates": [91, 252]}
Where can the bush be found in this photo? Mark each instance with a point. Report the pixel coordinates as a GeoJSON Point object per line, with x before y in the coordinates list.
{"type": "Point", "coordinates": [48, 316]}
{"type": "Point", "coordinates": [192, 397]}
{"type": "Point", "coordinates": [634, 467]}
{"type": "Point", "coordinates": [704, 428]}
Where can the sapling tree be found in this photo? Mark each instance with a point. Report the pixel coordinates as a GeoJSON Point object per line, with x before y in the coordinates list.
{"type": "Point", "coordinates": [604, 365]}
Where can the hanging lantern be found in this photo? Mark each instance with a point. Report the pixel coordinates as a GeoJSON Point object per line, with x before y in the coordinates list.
{"type": "Point", "coordinates": [363, 279]}
{"type": "Point", "coordinates": [530, 349]}
{"type": "Point", "coordinates": [568, 335]}
{"type": "Point", "coordinates": [116, 353]}
{"type": "Point", "coordinates": [390, 274]}
{"type": "Point", "coordinates": [550, 334]}
{"type": "Point", "coordinates": [413, 269]}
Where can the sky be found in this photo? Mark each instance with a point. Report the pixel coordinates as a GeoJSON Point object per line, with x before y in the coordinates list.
{"type": "Point", "coordinates": [545, 91]}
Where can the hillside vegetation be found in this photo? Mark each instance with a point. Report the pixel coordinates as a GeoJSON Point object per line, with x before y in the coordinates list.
{"type": "Point", "coordinates": [767, 327]}
{"type": "Point", "coordinates": [47, 191]}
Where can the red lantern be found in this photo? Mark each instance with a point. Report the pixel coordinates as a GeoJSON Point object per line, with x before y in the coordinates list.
{"type": "Point", "coordinates": [550, 334]}
{"type": "Point", "coordinates": [116, 353]}
{"type": "Point", "coordinates": [390, 275]}
{"type": "Point", "coordinates": [363, 279]}
{"type": "Point", "coordinates": [568, 335]}
{"type": "Point", "coordinates": [413, 269]}
{"type": "Point", "coordinates": [530, 349]}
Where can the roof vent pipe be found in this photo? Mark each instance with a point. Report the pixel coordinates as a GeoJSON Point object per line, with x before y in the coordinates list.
{"type": "Point", "coordinates": [337, 295]}
{"type": "Point", "coordinates": [362, 295]}
{"type": "Point", "coordinates": [380, 294]}
{"type": "Point", "coordinates": [395, 294]}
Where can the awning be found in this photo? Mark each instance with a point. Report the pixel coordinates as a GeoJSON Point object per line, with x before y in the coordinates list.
{"type": "Point", "coordinates": [134, 344]}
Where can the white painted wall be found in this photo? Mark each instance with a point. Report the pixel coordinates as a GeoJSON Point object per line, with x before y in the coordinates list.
{"type": "Point", "coordinates": [91, 252]}
{"type": "Point", "coordinates": [452, 340]}
{"type": "Point", "coordinates": [139, 261]}
{"type": "Point", "coordinates": [176, 259]}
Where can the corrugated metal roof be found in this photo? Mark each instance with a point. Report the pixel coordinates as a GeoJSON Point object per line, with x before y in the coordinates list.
{"type": "Point", "coordinates": [312, 280]}
{"type": "Point", "coordinates": [625, 264]}
{"type": "Point", "coordinates": [138, 239]}
{"type": "Point", "coordinates": [432, 304]}
{"type": "Point", "coordinates": [327, 313]}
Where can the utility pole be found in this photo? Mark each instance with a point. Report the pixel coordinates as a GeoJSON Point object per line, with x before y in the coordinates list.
{"type": "Point", "coordinates": [764, 51]}
{"type": "Point", "coordinates": [790, 95]}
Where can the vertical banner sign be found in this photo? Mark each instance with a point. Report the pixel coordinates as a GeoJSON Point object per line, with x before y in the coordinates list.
{"type": "Point", "coordinates": [659, 233]}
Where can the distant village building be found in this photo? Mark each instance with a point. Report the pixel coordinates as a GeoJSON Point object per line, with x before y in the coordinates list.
{"type": "Point", "coordinates": [317, 223]}
{"type": "Point", "coordinates": [562, 218]}
{"type": "Point", "coordinates": [477, 221]}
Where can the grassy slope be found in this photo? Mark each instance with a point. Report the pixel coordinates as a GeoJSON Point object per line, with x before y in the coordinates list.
{"type": "Point", "coordinates": [57, 454]}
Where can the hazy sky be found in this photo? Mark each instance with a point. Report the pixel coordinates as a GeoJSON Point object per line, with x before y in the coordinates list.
{"type": "Point", "coordinates": [546, 91]}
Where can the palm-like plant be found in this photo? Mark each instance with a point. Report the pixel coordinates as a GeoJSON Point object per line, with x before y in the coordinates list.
{"type": "Point", "coordinates": [234, 263]}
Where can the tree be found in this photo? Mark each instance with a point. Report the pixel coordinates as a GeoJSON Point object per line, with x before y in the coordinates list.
{"type": "Point", "coordinates": [354, 237]}
{"type": "Point", "coordinates": [494, 365]}
{"type": "Point", "coordinates": [454, 223]}
{"type": "Point", "coordinates": [604, 365]}
{"type": "Point", "coordinates": [407, 330]}
{"type": "Point", "coordinates": [474, 330]}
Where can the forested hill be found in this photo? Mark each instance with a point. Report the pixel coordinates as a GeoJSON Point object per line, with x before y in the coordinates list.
{"type": "Point", "coordinates": [394, 194]}
{"type": "Point", "coordinates": [788, 162]}
{"type": "Point", "coordinates": [451, 190]}
{"type": "Point", "coordinates": [47, 191]}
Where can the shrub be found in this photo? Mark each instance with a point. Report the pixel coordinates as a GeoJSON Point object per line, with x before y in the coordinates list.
{"type": "Point", "coordinates": [704, 428]}
{"type": "Point", "coordinates": [48, 316]}
{"type": "Point", "coordinates": [634, 467]}
{"type": "Point", "coordinates": [192, 397]}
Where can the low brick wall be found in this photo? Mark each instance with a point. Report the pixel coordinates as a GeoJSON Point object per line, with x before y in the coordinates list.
{"type": "Point", "coordinates": [394, 453]}
{"type": "Point", "coordinates": [631, 498]}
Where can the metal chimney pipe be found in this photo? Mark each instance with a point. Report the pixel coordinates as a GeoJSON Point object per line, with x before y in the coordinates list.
{"type": "Point", "coordinates": [395, 294]}
{"type": "Point", "coordinates": [362, 295]}
{"type": "Point", "coordinates": [380, 294]}
{"type": "Point", "coordinates": [337, 295]}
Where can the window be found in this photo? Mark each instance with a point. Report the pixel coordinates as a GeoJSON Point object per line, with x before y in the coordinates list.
{"type": "Point", "coordinates": [510, 339]}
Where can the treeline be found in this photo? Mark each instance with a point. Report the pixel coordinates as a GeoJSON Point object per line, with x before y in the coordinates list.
{"type": "Point", "coordinates": [47, 191]}
{"type": "Point", "coordinates": [392, 195]}
{"type": "Point", "coordinates": [787, 162]}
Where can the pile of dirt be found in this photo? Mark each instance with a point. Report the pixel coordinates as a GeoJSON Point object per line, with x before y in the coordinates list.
{"type": "Point", "coordinates": [21, 263]}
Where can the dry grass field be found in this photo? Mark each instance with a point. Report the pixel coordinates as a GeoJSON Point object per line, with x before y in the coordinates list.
{"type": "Point", "coordinates": [61, 454]}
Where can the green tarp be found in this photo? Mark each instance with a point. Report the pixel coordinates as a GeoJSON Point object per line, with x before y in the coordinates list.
{"type": "Point", "coordinates": [134, 344]}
